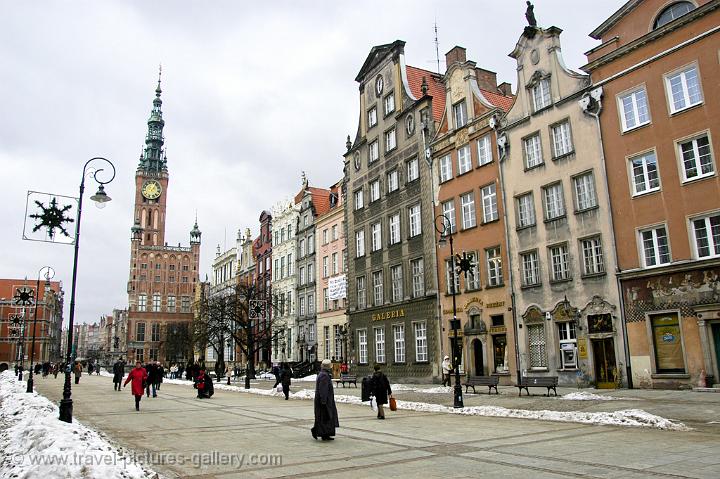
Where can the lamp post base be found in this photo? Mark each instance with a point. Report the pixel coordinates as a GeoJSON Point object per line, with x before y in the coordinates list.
{"type": "Point", "coordinates": [458, 398]}
{"type": "Point", "coordinates": [66, 403]}
{"type": "Point", "coordinates": [29, 384]}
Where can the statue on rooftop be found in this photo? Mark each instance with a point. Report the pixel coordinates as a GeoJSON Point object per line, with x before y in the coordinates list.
{"type": "Point", "coordinates": [530, 14]}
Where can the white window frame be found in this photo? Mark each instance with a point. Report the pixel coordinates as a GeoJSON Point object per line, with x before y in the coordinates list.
{"type": "Point", "coordinates": [484, 149]}
{"type": "Point", "coordinates": [359, 243]}
{"type": "Point", "coordinates": [639, 109]}
{"type": "Point", "coordinates": [414, 220]}
{"type": "Point", "coordinates": [379, 334]}
{"type": "Point", "coordinates": [584, 188]}
{"type": "Point", "coordinates": [394, 226]}
{"type": "Point", "coordinates": [325, 266]}
{"type": "Point", "coordinates": [650, 243]}
{"type": "Point", "coordinates": [489, 203]}
{"type": "Point", "coordinates": [142, 302]}
{"type": "Point", "coordinates": [360, 291]}
{"type": "Point", "coordinates": [646, 173]}
{"type": "Point", "coordinates": [541, 95]}
{"type": "Point", "coordinates": [539, 344]}
{"type": "Point", "coordinates": [553, 201]}
{"type": "Point", "coordinates": [378, 296]}
{"type": "Point", "coordinates": [396, 281]}
{"type": "Point", "coordinates": [681, 75]}
{"type": "Point", "coordinates": [696, 159]}
{"type": "Point", "coordinates": [413, 170]}
{"type": "Point", "coordinates": [448, 210]}
{"type": "Point", "coordinates": [335, 269]}
{"type": "Point", "coordinates": [464, 160]}
{"type": "Point", "coordinates": [372, 117]}
{"type": "Point", "coordinates": [493, 259]}
{"type": "Point", "coordinates": [418, 277]}
{"type": "Point", "coordinates": [374, 190]}
{"type": "Point", "coordinates": [451, 274]}
{"type": "Point", "coordinates": [532, 151]}
{"type": "Point", "coordinates": [375, 237]}
{"type": "Point", "coordinates": [359, 199]}
{"type": "Point", "coordinates": [373, 151]}
{"type": "Point", "coordinates": [472, 278]}
{"type": "Point", "coordinates": [712, 239]}
{"type": "Point", "coordinates": [389, 103]}
{"type": "Point", "coordinates": [393, 182]}
{"type": "Point", "coordinates": [467, 209]}
{"type": "Point", "coordinates": [525, 206]}
{"type": "Point", "coordinates": [390, 140]}
{"type": "Point", "coordinates": [362, 346]}
{"type": "Point", "coordinates": [460, 113]}
{"type": "Point", "coordinates": [593, 256]}
{"type": "Point", "coordinates": [559, 260]}
{"type": "Point", "coordinates": [446, 172]}
{"type": "Point", "coordinates": [399, 342]}
{"type": "Point", "coordinates": [562, 143]}
{"type": "Point", "coordinates": [420, 331]}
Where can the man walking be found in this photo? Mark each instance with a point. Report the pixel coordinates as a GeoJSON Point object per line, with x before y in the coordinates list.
{"type": "Point", "coordinates": [381, 390]}
{"type": "Point", "coordinates": [326, 418]}
{"type": "Point", "coordinates": [446, 370]}
{"type": "Point", "coordinates": [118, 373]}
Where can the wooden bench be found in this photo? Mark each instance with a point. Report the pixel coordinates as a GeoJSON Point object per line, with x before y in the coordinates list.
{"type": "Point", "coordinates": [346, 379]}
{"type": "Point", "coordinates": [549, 382]}
{"type": "Point", "coordinates": [489, 381]}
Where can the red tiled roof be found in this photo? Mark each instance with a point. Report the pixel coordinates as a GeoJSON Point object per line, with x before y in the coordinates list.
{"type": "Point", "coordinates": [500, 101]}
{"type": "Point", "coordinates": [320, 199]}
{"type": "Point", "coordinates": [436, 89]}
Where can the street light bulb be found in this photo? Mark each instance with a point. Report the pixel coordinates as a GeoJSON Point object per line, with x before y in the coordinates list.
{"type": "Point", "coordinates": [99, 205]}
{"type": "Point", "coordinates": [100, 198]}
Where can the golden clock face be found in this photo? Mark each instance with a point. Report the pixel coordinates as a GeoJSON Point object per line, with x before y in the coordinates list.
{"type": "Point", "coordinates": [151, 189]}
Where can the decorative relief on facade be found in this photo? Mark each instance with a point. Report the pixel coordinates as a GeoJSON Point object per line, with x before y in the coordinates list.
{"type": "Point", "coordinates": [597, 305]}
{"type": "Point", "coordinates": [533, 315]}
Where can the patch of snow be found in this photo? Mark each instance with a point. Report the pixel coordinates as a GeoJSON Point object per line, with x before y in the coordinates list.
{"type": "Point", "coordinates": [312, 377]}
{"type": "Point", "coordinates": [35, 443]}
{"type": "Point", "coordinates": [586, 396]}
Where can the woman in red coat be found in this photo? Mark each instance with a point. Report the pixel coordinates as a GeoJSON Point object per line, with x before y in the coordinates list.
{"type": "Point", "coordinates": [139, 377]}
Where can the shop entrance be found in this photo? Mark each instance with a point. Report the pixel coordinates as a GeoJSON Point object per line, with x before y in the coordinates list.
{"type": "Point", "coordinates": [478, 353]}
{"type": "Point", "coordinates": [716, 340]}
{"type": "Point", "coordinates": [605, 368]}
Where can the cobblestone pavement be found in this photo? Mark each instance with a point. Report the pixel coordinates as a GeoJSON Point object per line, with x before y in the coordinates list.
{"type": "Point", "coordinates": [408, 444]}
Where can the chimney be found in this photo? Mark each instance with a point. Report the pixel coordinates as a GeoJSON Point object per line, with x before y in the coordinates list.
{"type": "Point", "coordinates": [505, 88]}
{"type": "Point", "coordinates": [487, 80]}
{"type": "Point", "coordinates": [457, 54]}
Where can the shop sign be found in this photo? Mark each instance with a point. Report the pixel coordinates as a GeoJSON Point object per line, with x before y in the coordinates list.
{"type": "Point", "coordinates": [496, 304]}
{"type": "Point", "coordinates": [582, 348]}
{"type": "Point", "coordinates": [498, 329]}
{"type": "Point", "coordinates": [390, 314]}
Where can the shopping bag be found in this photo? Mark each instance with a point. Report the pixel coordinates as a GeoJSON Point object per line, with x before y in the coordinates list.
{"type": "Point", "coordinates": [279, 388]}
{"type": "Point", "coordinates": [393, 404]}
{"type": "Point", "coordinates": [373, 404]}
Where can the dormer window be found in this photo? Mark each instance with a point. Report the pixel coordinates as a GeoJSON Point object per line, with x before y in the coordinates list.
{"type": "Point", "coordinates": [672, 12]}
{"type": "Point", "coordinates": [541, 94]}
{"type": "Point", "coordinates": [460, 114]}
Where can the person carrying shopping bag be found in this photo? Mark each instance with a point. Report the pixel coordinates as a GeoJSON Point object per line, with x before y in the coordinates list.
{"type": "Point", "coordinates": [380, 387]}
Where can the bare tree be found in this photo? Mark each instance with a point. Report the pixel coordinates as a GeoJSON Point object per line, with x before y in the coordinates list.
{"type": "Point", "coordinates": [241, 315]}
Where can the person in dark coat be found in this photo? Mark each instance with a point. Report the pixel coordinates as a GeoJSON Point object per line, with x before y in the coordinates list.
{"type": "Point", "coordinates": [285, 379]}
{"type": "Point", "coordinates": [188, 371]}
{"type": "Point", "coordinates": [326, 417]}
{"type": "Point", "coordinates": [118, 373]}
{"type": "Point", "coordinates": [150, 382]}
{"type": "Point", "coordinates": [204, 384]}
{"type": "Point", "coordinates": [159, 375]}
{"type": "Point", "coordinates": [380, 387]}
{"type": "Point", "coordinates": [139, 377]}
{"type": "Point", "coordinates": [276, 373]}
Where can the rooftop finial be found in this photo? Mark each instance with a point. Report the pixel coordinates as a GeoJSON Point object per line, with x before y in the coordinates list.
{"type": "Point", "coordinates": [530, 14]}
{"type": "Point", "coordinates": [424, 86]}
{"type": "Point", "coordinates": [348, 143]}
{"type": "Point", "coordinates": [158, 91]}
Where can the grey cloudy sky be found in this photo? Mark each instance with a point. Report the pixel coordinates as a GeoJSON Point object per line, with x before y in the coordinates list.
{"type": "Point", "coordinates": [253, 93]}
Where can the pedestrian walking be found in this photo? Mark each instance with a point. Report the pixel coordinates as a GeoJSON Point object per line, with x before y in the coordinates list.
{"type": "Point", "coordinates": [446, 370]}
{"type": "Point", "coordinates": [204, 384]}
{"type": "Point", "coordinates": [56, 370]}
{"type": "Point", "coordinates": [380, 386]}
{"type": "Point", "coordinates": [118, 373]}
{"type": "Point", "coordinates": [139, 377]}
{"type": "Point", "coordinates": [326, 418]}
{"type": "Point", "coordinates": [159, 375]}
{"type": "Point", "coordinates": [285, 379]}
{"type": "Point", "coordinates": [78, 372]}
{"type": "Point", "coordinates": [90, 369]}
{"type": "Point", "coordinates": [276, 372]}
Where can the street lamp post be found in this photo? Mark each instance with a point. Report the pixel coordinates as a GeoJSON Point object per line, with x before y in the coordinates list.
{"type": "Point", "coordinates": [444, 227]}
{"type": "Point", "coordinates": [66, 403]}
{"type": "Point", "coordinates": [49, 274]}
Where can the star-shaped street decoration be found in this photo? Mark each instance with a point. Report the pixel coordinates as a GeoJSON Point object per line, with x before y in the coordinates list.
{"type": "Point", "coordinates": [52, 217]}
{"type": "Point", "coordinates": [257, 309]}
{"type": "Point", "coordinates": [16, 320]}
{"type": "Point", "coordinates": [24, 296]}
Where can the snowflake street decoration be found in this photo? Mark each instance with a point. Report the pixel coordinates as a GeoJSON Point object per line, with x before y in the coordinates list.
{"type": "Point", "coordinates": [48, 217]}
{"type": "Point", "coordinates": [24, 296]}
{"type": "Point", "coordinates": [16, 320]}
{"type": "Point", "coordinates": [257, 309]}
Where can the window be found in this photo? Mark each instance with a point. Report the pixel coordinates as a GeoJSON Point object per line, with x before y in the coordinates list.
{"type": "Point", "coordinates": [377, 277]}
{"type": "Point", "coordinates": [592, 253]}
{"type": "Point", "coordinates": [467, 204]}
{"type": "Point", "coordinates": [484, 148]}
{"type": "Point", "coordinates": [494, 267]}
{"type": "Point", "coordinates": [464, 161]}
{"type": "Point", "coordinates": [399, 336]}
{"type": "Point", "coordinates": [184, 279]}
{"type": "Point", "coordinates": [310, 272]}
{"type": "Point", "coordinates": [421, 354]}
{"type": "Point", "coordinates": [326, 340]}
{"type": "Point", "coordinates": [489, 202]}
{"type": "Point", "coordinates": [389, 104]}
{"type": "Point", "coordinates": [645, 177]}
{"type": "Point", "coordinates": [451, 276]}
{"type": "Point", "coordinates": [338, 341]}
{"type": "Point", "coordinates": [373, 152]}
{"type": "Point", "coordinates": [302, 275]}
{"type": "Point", "coordinates": [525, 210]}
{"type": "Point", "coordinates": [584, 186]}
{"type": "Point", "coordinates": [395, 229]}
{"type": "Point", "coordinates": [418, 278]}
{"type": "Point", "coordinates": [541, 94]}
{"type": "Point", "coordinates": [311, 244]}
{"type": "Point", "coordinates": [374, 190]}
{"type": "Point", "coordinates": [683, 88]}
{"type": "Point", "coordinates": [140, 332]}
{"type": "Point", "coordinates": [562, 142]}
{"type": "Point", "coordinates": [445, 168]}
{"type": "Point", "coordinates": [140, 355]}
{"type": "Point", "coordinates": [667, 339]}
{"type": "Point", "coordinates": [379, 345]}
{"type": "Point", "coordinates": [554, 202]}
{"type": "Point", "coordinates": [633, 109]}
{"type": "Point", "coordinates": [334, 232]}
{"type": "Point", "coordinates": [282, 267]}
{"type": "Point", "coordinates": [530, 268]}
{"type": "Point", "coordinates": [448, 209]}
{"type": "Point", "coordinates": [672, 12]}
{"type": "Point", "coordinates": [697, 159]}
{"type": "Point", "coordinates": [472, 278]}
{"type": "Point", "coordinates": [334, 263]}
{"type": "Point", "coordinates": [372, 117]}
{"type": "Point", "coordinates": [289, 264]}
{"type": "Point", "coordinates": [568, 345]}
{"type": "Point", "coordinates": [536, 345]}
{"type": "Point", "coordinates": [533, 152]}
{"type": "Point", "coordinates": [325, 236]}
{"type": "Point", "coordinates": [397, 283]}
{"type": "Point", "coordinates": [142, 302]}
{"type": "Point", "coordinates": [392, 181]}
{"type": "Point", "coordinates": [362, 346]}
{"type": "Point", "coordinates": [301, 244]}
{"type": "Point", "coordinates": [156, 303]}
{"type": "Point", "coordinates": [414, 220]}
{"type": "Point", "coordinates": [301, 305]}
{"type": "Point", "coordinates": [185, 304]}
{"type": "Point", "coordinates": [359, 203]}
{"type": "Point", "coordinates": [155, 332]}
{"type": "Point", "coordinates": [359, 243]}
{"type": "Point", "coordinates": [413, 172]}
{"type": "Point", "coordinates": [311, 304]}
{"type": "Point", "coordinates": [559, 262]}
{"type": "Point", "coordinates": [460, 114]}
{"type": "Point", "coordinates": [706, 233]}
{"type": "Point", "coordinates": [390, 140]}
{"type": "Point", "coordinates": [655, 247]}
{"type": "Point", "coordinates": [375, 237]}
{"type": "Point", "coordinates": [171, 304]}
{"type": "Point", "coordinates": [288, 302]}
{"type": "Point", "coordinates": [360, 288]}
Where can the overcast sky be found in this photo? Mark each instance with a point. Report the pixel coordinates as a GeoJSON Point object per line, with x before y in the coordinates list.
{"type": "Point", "coordinates": [253, 94]}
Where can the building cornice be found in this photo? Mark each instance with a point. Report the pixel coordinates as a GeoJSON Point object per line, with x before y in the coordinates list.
{"type": "Point", "coordinates": [677, 267]}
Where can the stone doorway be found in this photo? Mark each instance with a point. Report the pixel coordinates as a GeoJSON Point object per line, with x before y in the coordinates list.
{"type": "Point", "coordinates": [605, 366]}
{"type": "Point", "coordinates": [478, 353]}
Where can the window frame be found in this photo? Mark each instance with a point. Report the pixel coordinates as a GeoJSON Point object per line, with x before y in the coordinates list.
{"type": "Point", "coordinates": [415, 227]}
{"type": "Point", "coordinates": [375, 237]}
{"type": "Point", "coordinates": [541, 161]}
{"type": "Point", "coordinates": [378, 287]}
{"type": "Point", "coordinates": [393, 181]}
{"type": "Point", "coordinates": [486, 151]}
{"type": "Point", "coordinates": [548, 92]}
{"type": "Point", "coordinates": [493, 206]}
{"type": "Point", "coordinates": [413, 170]}
{"type": "Point", "coordinates": [389, 135]}
{"type": "Point", "coordinates": [395, 235]}
{"type": "Point", "coordinates": [379, 344]}
{"type": "Point", "coordinates": [471, 206]}
{"type": "Point", "coordinates": [417, 268]}
{"type": "Point", "coordinates": [669, 95]}
{"type": "Point", "coordinates": [562, 211]}
{"type": "Point", "coordinates": [646, 178]}
{"type": "Point", "coordinates": [399, 347]}
{"type": "Point", "coordinates": [566, 262]}
{"type": "Point", "coordinates": [421, 341]}
{"type": "Point", "coordinates": [464, 160]}
{"type": "Point", "coordinates": [657, 256]}
{"type": "Point", "coordinates": [462, 119]}
{"type": "Point", "coordinates": [372, 114]}
{"type": "Point", "coordinates": [569, 139]}
{"type": "Point", "coordinates": [597, 265]}
{"type": "Point", "coordinates": [374, 190]}
{"type": "Point", "coordinates": [518, 210]}
{"type": "Point", "coordinates": [396, 283]}
{"type": "Point", "coordinates": [373, 151]}
{"type": "Point", "coordinates": [360, 243]}
{"type": "Point", "coordinates": [698, 165]}
{"type": "Point", "coordinates": [713, 244]}
{"type": "Point", "coordinates": [631, 93]}
{"type": "Point", "coordinates": [358, 194]}
{"type": "Point", "coordinates": [445, 174]}
{"type": "Point", "coordinates": [389, 103]}
{"type": "Point", "coordinates": [493, 264]}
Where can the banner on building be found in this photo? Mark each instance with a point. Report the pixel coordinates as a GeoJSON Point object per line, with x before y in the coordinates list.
{"type": "Point", "coordinates": [337, 287]}
{"type": "Point", "coordinates": [50, 218]}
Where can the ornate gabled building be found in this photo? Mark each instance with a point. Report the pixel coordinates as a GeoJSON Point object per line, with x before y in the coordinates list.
{"type": "Point", "coordinates": [658, 67]}
{"type": "Point", "coordinates": [392, 287]}
{"type": "Point", "coordinates": [262, 252]}
{"type": "Point", "coordinates": [466, 174]}
{"type": "Point", "coordinates": [162, 278]}
{"type": "Point", "coordinates": [561, 244]}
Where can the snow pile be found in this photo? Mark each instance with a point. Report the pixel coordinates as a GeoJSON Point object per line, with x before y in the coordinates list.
{"type": "Point", "coordinates": [35, 443]}
{"type": "Point", "coordinates": [586, 396]}
{"type": "Point", "coordinates": [312, 377]}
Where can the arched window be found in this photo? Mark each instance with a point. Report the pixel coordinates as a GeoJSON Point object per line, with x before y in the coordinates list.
{"type": "Point", "coordinates": [672, 12]}
{"type": "Point", "coordinates": [149, 219]}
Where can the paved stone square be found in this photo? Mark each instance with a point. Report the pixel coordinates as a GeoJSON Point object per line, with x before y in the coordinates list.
{"type": "Point", "coordinates": [406, 444]}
